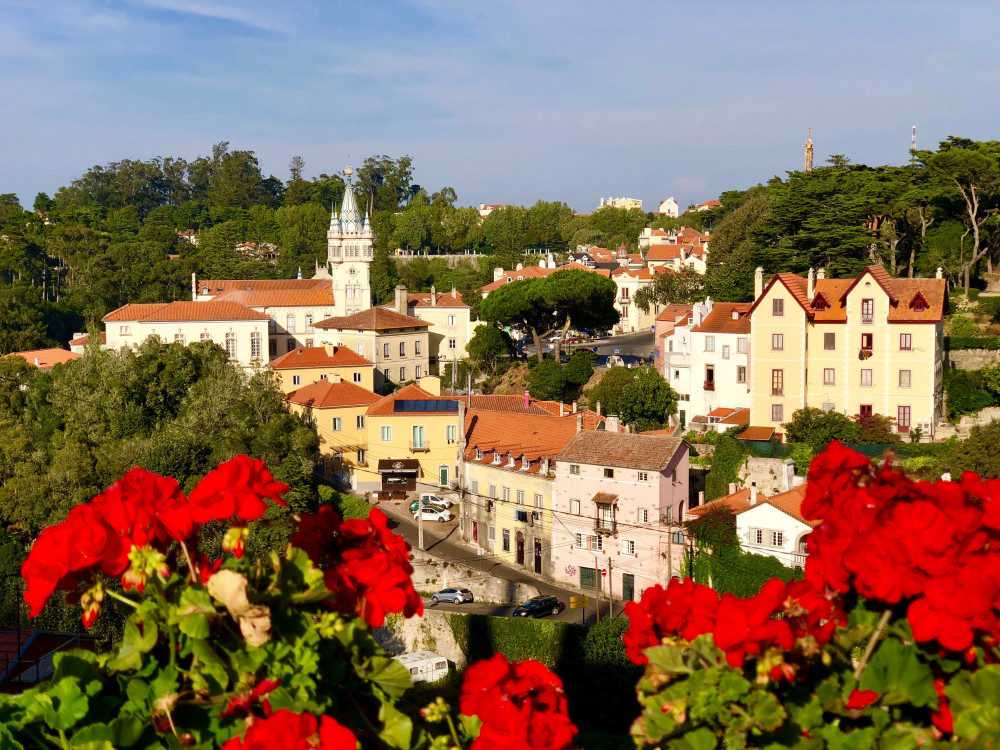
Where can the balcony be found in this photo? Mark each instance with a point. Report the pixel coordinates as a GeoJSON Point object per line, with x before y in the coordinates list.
{"type": "Point", "coordinates": [709, 385]}
{"type": "Point", "coordinates": [421, 447]}
{"type": "Point", "coordinates": [605, 523]}
{"type": "Point", "coordinates": [777, 391]}
{"type": "Point", "coordinates": [867, 319]}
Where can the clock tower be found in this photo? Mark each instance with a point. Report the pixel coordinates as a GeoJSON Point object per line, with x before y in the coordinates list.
{"type": "Point", "coordinates": [349, 250]}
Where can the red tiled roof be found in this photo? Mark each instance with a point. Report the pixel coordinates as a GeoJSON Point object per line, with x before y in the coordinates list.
{"type": "Point", "coordinates": [535, 272]}
{"type": "Point", "coordinates": [738, 501]}
{"type": "Point", "coordinates": [530, 436]}
{"type": "Point", "coordinates": [186, 312]}
{"type": "Point", "coordinates": [278, 297]}
{"type": "Point", "coordinates": [720, 320]}
{"type": "Point", "coordinates": [509, 404]}
{"type": "Point", "coordinates": [220, 286]}
{"type": "Point", "coordinates": [756, 433]}
{"type": "Point", "coordinates": [325, 394]}
{"type": "Point", "coordinates": [659, 433]}
{"type": "Point", "coordinates": [47, 358]}
{"type": "Point", "coordinates": [789, 502]}
{"type": "Point", "coordinates": [84, 339]}
{"type": "Point", "coordinates": [709, 204]}
{"type": "Point", "coordinates": [643, 274]}
{"type": "Point", "coordinates": [675, 311]}
{"type": "Point", "coordinates": [665, 252]}
{"type": "Point", "coordinates": [444, 299]}
{"type": "Point", "coordinates": [741, 416]}
{"type": "Point", "coordinates": [384, 407]}
{"type": "Point", "coordinates": [620, 449]}
{"type": "Point", "coordinates": [372, 319]}
{"type": "Point", "coordinates": [723, 411]}
{"type": "Point", "coordinates": [604, 498]}
{"type": "Point", "coordinates": [317, 356]}
{"type": "Point", "coordinates": [132, 312]}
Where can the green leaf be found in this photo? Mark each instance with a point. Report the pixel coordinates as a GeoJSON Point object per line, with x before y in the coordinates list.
{"type": "Point", "coordinates": [300, 580]}
{"type": "Point", "coordinates": [134, 644]}
{"type": "Point", "coordinates": [898, 676]}
{"type": "Point", "coordinates": [124, 731]}
{"type": "Point", "coordinates": [209, 663]}
{"type": "Point", "coordinates": [671, 659]}
{"type": "Point", "coordinates": [700, 739]}
{"type": "Point", "coordinates": [397, 728]}
{"type": "Point", "coordinates": [766, 710]}
{"type": "Point", "coordinates": [63, 704]}
{"type": "Point", "coordinates": [389, 675]}
{"type": "Point", "coordinates": [974, 702]}
{"type": "Point", "coordinates": [191, 615]}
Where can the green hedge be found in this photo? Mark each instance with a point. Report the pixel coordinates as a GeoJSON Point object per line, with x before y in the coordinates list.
{"type": "Point", "coordinates": [954, 343]}
{"type": "Point", "coordinates": [727, 459]}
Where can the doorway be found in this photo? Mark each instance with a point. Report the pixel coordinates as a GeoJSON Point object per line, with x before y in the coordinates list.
{"type": "Point", "coordinates": [538, 556]}
{"type": "Point", "coordinates": [520, 548]}
{"type": "Point", "coordinates": [443, 475]}
{"type": "Point", "coordinates": [628, 587]}
{"type": "Point", "coordinates": [475, 531]}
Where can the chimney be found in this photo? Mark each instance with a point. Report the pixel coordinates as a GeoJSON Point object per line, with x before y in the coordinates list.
{"type": "Point", "coordinates": [335, 378]}
{"type": "Point", "coordinates": [330, 349]}
{"type": "Point", "coordinates": [701, 498]}
{"type": "Point", "coordinates": [194, 287]}
{"type": "Point", "coordinates": [787, 475]}
{"type": "Point", "coordinates": [613, 424]}
{"type": "Point", "coordinates": [758, 283]}
{"type": "Point", "coordinates": [821, 274]}
{"type": "Point", "coordinates": [461, 431]}
{"type": "Point", "coordinates": [811, 289]}
{"type": "Point", "coordinates": [38, 362]}
{"type": "Point", "coordinates": [732, 488]}
{"type": "Point", "coordinates": [753, 493]}
{"type": "Point", "coordinates": [527, 399]}
{"type": "Point", "coordinates": [401, 306]}
{"type": "Point", "coordinates": [579, 423]}
{"type": "Point", "coordinates": [520, 267]}
{"type": "Point", "coordinates": [574, 407]}
{"type": "Point", "coordinates": [561, 412]}
{"type": "Point", "coordinates": [939, 274]}
{"type": "Point", "coordinates": [497, 274]}
{"type": "Point", "coordinates": [598, 408]}
{"type": "Point", "coordinates": [434, 296]}
{"type": "Point", "coordinates": [482, 206]}
{"type": "Point", "coordinates": [545, 465]}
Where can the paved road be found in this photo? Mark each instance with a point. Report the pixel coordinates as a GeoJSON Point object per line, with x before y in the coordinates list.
{"type": "Point", "coordinates": [635, 344]}
{"type": "Point", "coordinates": [445, 541]}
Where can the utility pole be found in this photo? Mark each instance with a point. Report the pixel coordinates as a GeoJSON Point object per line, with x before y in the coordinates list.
{"type": "Point", "coordinates": [611, 602]}
{"type": "Point", "coordinates": [420, 522]}
{"type": "Point", "coordinates": [597, 599]}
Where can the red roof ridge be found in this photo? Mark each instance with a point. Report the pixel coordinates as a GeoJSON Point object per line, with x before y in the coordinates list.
{"type": "Point", "coordinates": [326, 394]}
{"type": "Point", "coordinates": [317, 356]}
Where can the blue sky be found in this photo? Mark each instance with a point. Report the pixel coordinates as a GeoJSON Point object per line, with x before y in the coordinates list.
{"type": "Point", "coordinates": [507, 102]}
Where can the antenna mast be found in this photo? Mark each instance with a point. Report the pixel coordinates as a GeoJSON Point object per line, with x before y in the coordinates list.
{"type": "Point", "coordinates": [809, 151]}
{"type": "Point", "coordinates": [913, 140]}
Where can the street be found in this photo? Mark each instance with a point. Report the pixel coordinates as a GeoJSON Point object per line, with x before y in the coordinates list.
{"type": "Point", "coordinates": [444, 540]}
{"type": "Point", "coordinates": [632, 344]}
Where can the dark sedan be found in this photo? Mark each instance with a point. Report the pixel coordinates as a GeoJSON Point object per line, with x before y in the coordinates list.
{"type": "Point", "coordinates": [539, 606]}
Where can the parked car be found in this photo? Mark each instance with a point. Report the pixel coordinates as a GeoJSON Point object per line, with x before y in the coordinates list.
{"type": "Point", "coordinates": [430, 497]}
{"type": "Point", "coordinates": [434, 514]}
{"type": "Point", "coordinates": [435, 504]}
{"type": "Point", "coordinates": [453, 596]}
{"type": "Point", "coordinates": [538, 606]}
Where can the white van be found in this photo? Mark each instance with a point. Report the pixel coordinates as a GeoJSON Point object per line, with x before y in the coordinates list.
{"type": "Point", "coordinates": [424, 666]}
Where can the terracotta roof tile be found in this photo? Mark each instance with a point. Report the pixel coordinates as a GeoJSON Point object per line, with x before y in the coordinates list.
{"type": "Point", "coordinates": [720, 320]}
{"type": "Point", "coordinates": [604, 498]}
{"type": "Point", "coordinates": [742, 416]}
{"type": "Point", "coordinates": [723, 411]}
{"type": "Point", "coordinates": [791, 503]}
{"type": "Point", "coordinates": [85, 339]}
{"type": "Point", "coordinates": [737, 502]}
{"type": "Point", "coordinates": [444, 299]}
{"type": "Point", "coordinates": [185, 312]}
{"type": "Point", "coordinates": [317, 356]}
{"type": "Point", "coordinates": [220, 286]}
{"type": "Point", "coordinates": [372, 319]}
{"type": "Point", "coordinates": [660, 433]}
{"type": "Point", "coordinates": [47, 358]}
{"type": "Point", "coordinates": [329, 395]}
{"type": "Point", "coordinates": [675, 311]}
{"type": "Point", "coordinates": [509, 404]}
{"type": "Point", "coordinates": [620, 449]}
{"type": "Point", "coordinates": [665, 252]}
{"type": "Point", "coordinates": [132, 312]}
{"type": "Point", "coordinates": [709, 204]}
{"type": "Point", "coordinates": [530, 436]}
{"type": "Point", "coordinates": [756, 433]}
{"type": "Point", "coordinates": [278, 297]}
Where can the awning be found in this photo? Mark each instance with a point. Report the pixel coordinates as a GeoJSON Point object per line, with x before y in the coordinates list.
{"type": "Point", "coordinates": [605, 498]}
{"type": "Point", "coordinates": [398, 466]}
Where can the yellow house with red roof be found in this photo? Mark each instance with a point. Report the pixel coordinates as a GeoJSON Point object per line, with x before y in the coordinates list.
{"type": "Point", "coordinates": [336, 409]}
{"type": "Point", "coordinates": [301, 367]}
{"type": "Point", "coordinates": [862, 346]}
{"type": "Point", "coordinates": [451, 325]}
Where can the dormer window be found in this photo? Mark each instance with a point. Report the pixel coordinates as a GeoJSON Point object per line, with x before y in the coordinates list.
{"type": "Point", "coordinates": [525, 463]}
{"type": "Point", "coordinates": [496, 458]}
{"type": "Point", "coordinates": [820, 303]}
{"type": "Point", "coordinates": [479, 455]}
{"type": "Point", "coordinates": [736, 315]}
{"type": "Point", "coordinates": [919, 303]}
{"type": "Point", "coordinates": [510, 460]}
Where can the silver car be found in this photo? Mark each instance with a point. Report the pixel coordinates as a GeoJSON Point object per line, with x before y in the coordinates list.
{"type": "Point", "coordinates": [452, 596]}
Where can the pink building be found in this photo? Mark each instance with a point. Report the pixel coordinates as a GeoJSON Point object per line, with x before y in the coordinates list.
{"type": "Point", "coordinates": [619, 502]}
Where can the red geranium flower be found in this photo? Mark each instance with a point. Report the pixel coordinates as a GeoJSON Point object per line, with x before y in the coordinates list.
{"type": "Point", "coordinates": [860, 699]}
{"type": "Point", "coordinates": [286, 730]}
{"type": "Point", "coordinates": [746, 626]}
{"type": "Point", "coordinates": [235, 490]}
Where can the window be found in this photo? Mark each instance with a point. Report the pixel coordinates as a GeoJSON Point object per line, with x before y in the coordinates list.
{"type": "Point", "coordinates": [496, 458]}
{"type": "Point", "coordinates": [475, 486]}
{"type": "Point", "coordinates": [452, 344]}
{"type": "Point", "coordinates": [492, 489]}
{"type": "Point", "coordinates": [596, 543]}
{"type": "Point", "coordinates": [296, 380]}
{"type": "Point", "coordinates": [272, 347]}
{"type": "Point", "coordinates": [386, 433]}
{"type": "Point", "coordinates": [628, 547]}
{"type": "Point", "coordinates": [361, 349]}
{"type": "Point", "coordinates": [338, 424]}
{"type": "Point", "coordinates": [179, 338]}
{"type": "Point", "coordinates": [272, 324]}
{"type": "Point", "coordinates": [506, 540]}
{"type": "Point", "coordinates": [643, 476]}
{"type": "Point", "coordinates": [777, 382]}
{"type": "Point", "coordinates": [867, 341]}
{"type": "Point", "coordinates": [828, 406]}
{"type": "Point", "coordinates": [741, 374]}
{"type": "Point", "coordinates": [491, 534]}
{"type": "Point", "coordinates": [505, 494]}
{"type": "Point", "coordinates": [777, 342]}
{"type": "Point", "coordinates": [418, 372]}
{"type": "Point", "coordinates": [710, 343]}
{"type": "Point", "coordinates": [829, 341]}
{"type": "Point", "coordinates": [309, 323]}
{"type": "Point", "coordinates": [206, 336]}
{"type": "Point", "coordinates": [402, 348]}
{"type": "Point", "coordinates": [725, 352]}
{"type": "Point", "coordinates": [309, 342]}
{"type": "Point", "coordinates": [418, 436]}
{"type": "Point", "coordinates": [778, 308]}
{"type": "Point", "coordinates": [385, 351]}
{"type": "Point", "coordinates": [451, 320]}
{"type": "Point", "coordinates": [677, 374]}
{"type": "Point", "coordinates": [402, 374]}
{"type": "Point", "coordinates": [520, 497]}
{"type": "Point", "coordinates": [359, 421]}
{"type": "Point", "coordinates": [919, 304]}
{"type": "Point", "coordinates": [357, 377]}
{"type": "Point", "coordinates": [903, 418]}
{"type": "Point", "coordinates": [777, 412]}
{"type": "Point", "coordinates": [741, 345]}
{"type": "Point", "coordinates": [361, 455]}
{"type": "Point", "coordinates": [609, 473]}
{"type": "Point", "coordinates": [385, 373]}
{"type": "Point", "coordinates": [290, 345]}
{"type": "Point", "coordinates": [416, 348]}
{"type": "Point", "coordinates": [538, 501]}
{"type": "Point", "coordinates": [290, 323]}
{"type": "Point", "coordinates": [451, 433]}
{"type": "Point", "coordinates": [578, 541]}
{"type": "Point", "coordinates": [756, 536]}
{"type": "Point", "coordinates": [867, 311]}
{"type": "Point", "coordinates": [673, 476]}
{"type": "Point", "coordinates": [231, 345]}
{"type": "Point", "coordinates": [905, 342]}
{"type": "Point", "coordinates": [777, 538]}
{"type": "Point", "coordinates": [574, 507]}
{"type": "Point", "coordinates": [574, 468]}
{"type": "Point", "coordinates": [866, 410]}
{"type": "Point", "coordinates": [642, 515]}
{"type": "Point", "coordinates": [255, 347]}
{"type": "Point", "coordinates": [829, 376]}
{"type": "Point", "coordinates": [866, 378]}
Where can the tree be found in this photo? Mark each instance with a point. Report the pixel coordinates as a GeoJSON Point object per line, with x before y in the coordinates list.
{"type": "Point", "coordinates": [818, 428]}
{"type": "Point", "coordinates": [730, 264]}
{"type": "Point", "coordinates": [639, 396]}
{"type": "Point", "coordinates": [539, 307]}
{"type": "Point", "coordinates": [506, 231]}
{"type": "Point", "coordinates": [489, 345]}
{"type": "Point", "coordinates": [547, 380]}
{"type": "Point", "coordinates": [680, 287]}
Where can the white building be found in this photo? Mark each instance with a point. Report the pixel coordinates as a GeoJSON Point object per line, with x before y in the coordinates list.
{"type": "Point", "coordinates": [707, 362]}
{"type": "Point", "coordinates": [622, 202]}
{"type": "Point", "coordinates": [349, 255]}
{"type": "Point", "coordinates": [669, 208]}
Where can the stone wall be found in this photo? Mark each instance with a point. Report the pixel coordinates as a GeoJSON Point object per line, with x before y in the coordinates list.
{"type": "Point", "coordinates": [971, 359]}
{"type": "Point", "coordinates": [772, 475]}
{"type": "Point", "coordinates": [432, 632]}
{"type": "Point", "coordinates": [982, 417]}
{"type": "Point", "coordinates": [432, 574]}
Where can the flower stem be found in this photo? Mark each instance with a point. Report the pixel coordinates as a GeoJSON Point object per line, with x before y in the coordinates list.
{"type": "Point", "coordinates": [122, 599]}
{"type": "Point", "coordinates": [883, 621]}
{"type": "Point", "coordinates": [191, 569]}
{"type": "Point", "coordinates": [454, 732]}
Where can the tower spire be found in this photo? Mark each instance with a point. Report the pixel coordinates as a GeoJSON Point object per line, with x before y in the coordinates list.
{"type": "Point", "coordinates": [809, 151]}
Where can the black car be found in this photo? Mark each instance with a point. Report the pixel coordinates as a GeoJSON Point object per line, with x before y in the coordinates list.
{"type": "Point", "coordinates": [537, 606]}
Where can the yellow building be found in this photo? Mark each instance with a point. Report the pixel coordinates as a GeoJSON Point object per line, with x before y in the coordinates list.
{"type": "Point", "coordinates": [863, 346]}
{"type": "Point", "coordinates": [451, 325]}
{"type": "Point", "coordinates": [395, 342]}
{"type": "Point", "coordinates": [413, 440]}
{"type": "Point", "coordinates": [308, 365]}
{"type": "Point", "coordinates": [509, 478]}
{"type": "Point", "coordinates": [336, 409]}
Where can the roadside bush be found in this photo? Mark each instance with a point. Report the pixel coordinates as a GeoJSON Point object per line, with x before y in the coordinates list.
{"type": "Point", "coordinates": [726, 462]}
{"type": "Point", "coordinates": [547, 381]}
{"type": "Point", "coordinates": [348, 506]}
{"type": "Point", "coordinates": [965, 393]}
